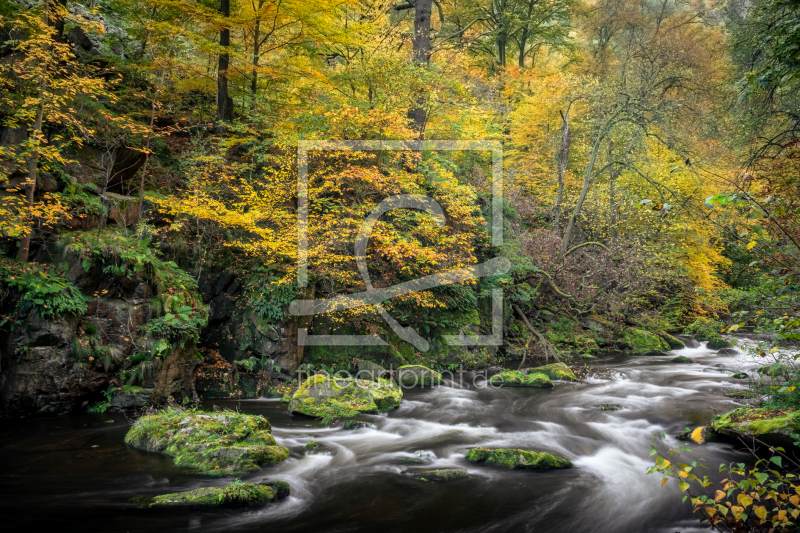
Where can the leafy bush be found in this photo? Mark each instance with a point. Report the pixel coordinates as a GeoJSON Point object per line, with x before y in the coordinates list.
{"type": "Point", "coordinates": [43, 292]}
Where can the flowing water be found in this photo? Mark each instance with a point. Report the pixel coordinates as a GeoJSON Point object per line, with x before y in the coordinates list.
{"type": "Point", "coordinates": [74, 473]}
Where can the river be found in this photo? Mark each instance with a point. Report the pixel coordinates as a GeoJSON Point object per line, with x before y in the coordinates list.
{"type": "Point", "coordinates": [74, 473]}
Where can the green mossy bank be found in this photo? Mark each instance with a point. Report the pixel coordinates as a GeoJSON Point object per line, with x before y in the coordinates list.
{"type": "Point", "coordinates": [412, 375]}
{"type": "Point", "coordinates": [758, 421]}
{"type": "Point", "coordinates": [517, 459]}
{"type": "Point", "coordinates": [218, 444]}
{"type": "Point", "coordinates": [323, 397]}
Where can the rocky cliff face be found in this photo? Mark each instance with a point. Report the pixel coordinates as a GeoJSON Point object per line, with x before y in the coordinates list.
{"type": "Point", "coordinates": [128, 338]}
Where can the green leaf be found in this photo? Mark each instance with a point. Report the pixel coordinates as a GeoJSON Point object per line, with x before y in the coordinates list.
{"type": "Point", "coordinates": [776, 460]}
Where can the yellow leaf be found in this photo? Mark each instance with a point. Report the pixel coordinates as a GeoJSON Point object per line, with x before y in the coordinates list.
{"type": "Point", "coordinates": [719, 495]}
{"type": "Point", "coordinates": [760, 511]}
{"type": "Point", "coordinates": [751, 245]}
{"type": "Point", "coordinates": [683, 485]}
{"type": "Point", "coordinates": [698, 435]}
{"type": "Point", "coordinates": [795, 499]}
{"type": "Point", "coordinates": [744, 500]}
{"type": "Point", "coordinates": [737, 511]}
{"type": "Point", "coordinates": [664, 481]}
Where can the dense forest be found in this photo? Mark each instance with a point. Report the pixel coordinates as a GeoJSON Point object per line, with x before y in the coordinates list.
{"type": "Point", "coordinates": [577, 179]}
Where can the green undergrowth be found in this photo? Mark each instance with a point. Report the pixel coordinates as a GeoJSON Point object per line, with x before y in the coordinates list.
{"type": "Point", "coordinates": [39, 289]}
{"type": "Point", "coordinates": [213, 443]}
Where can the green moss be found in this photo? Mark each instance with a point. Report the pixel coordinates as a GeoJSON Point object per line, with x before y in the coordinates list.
{"type": "Point", "coordinates": [520, 459]}
{"type": "Point", "coordinates": [281, 488]}
{"type": "Point", "coordinates": [558, 371]}
{"type": "Point", "coordinates": [310, 445]}
{"type": "Point", "coordinates": [410, 375]}
{"type": "Point", "coordinates": [513, 378]}
{"type": "Point", "coordinates": [233, 494]}
{"type": "Point", "coordinates": [674, 344]}
{"type": "Point", "coordinates": [680, 359]}
{"type": "Point", "coordinates": [716, 343]}
{"type": "Point", "coordinates": [330, 399]}
{"type": "Point", "coordinates": [438, 474]}
{"type": "Point", "coordinates": [757, 421]}
{"type": "Point", "coordinates": [643, 342]}
{"type": "Point", "coordinates": [219, 443]}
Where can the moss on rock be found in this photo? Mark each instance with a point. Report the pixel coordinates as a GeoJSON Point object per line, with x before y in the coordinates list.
{"type": "Point", "coordinates": [438, 474]}
{"type": "Point", "coordinates": [717, 343]}
{"type": "Point", "coordinates": [558, 371]}
{"type": "Point", "coordinates": [220, 443]}
{"type": "Point", "coordinates": [757, 421]}
{"type": "Point", "coordinates": [519, 459]}
{"type": "Point", "coordinates": [331, 398]}
{"type": "Point", "coordinates": [674, 344]}
{"type": "Point", "coordinates": [643, 342]}
{"type": "Point", "coordinates": [680, 359]}
{"type": "Point", "coordinates": [281, 488]}
{"type": "Point", "coordinates": [234, 494]}
{"type": "Point", "coordinates": [410, 375]}
{"type": "Point", "coordinates": [513, 378]}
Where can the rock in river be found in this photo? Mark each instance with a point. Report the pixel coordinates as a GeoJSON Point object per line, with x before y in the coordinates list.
{"type": "Point", "coordinates": [329, 398]}
{"type": "Point", "coordinates": [237, 493]}
{"type": "Point", "coordinates": [438, 474]}
{"type": "Point", "coordinates": [218, 444]}
{"type": "Point", "coordinates": [412, 375]}
{"type": "Point", "coordinates": [519, 459]}
{"type": "Point", "coordinates": [513, 378]}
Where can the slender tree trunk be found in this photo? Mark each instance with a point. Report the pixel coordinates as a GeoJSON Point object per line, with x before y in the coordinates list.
{"type": "Point", "coordinates": [563, 161]}
{"type": "Point", "coordinates": [35, 139]}
{"type": "Point", "coordinates": [614, 173]}
{"type": "Point", "coordinates": [421, 56]}
{"type": "Point", "coordinates": [224, 101]}
{"type": "Point", "coordinates": [256, 58]}
{"type": "Point", "coordinates": [146, 158]}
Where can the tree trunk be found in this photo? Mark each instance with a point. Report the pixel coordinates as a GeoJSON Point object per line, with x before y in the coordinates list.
{"type": "Point", "coordinates": [256, 48]}
{"type": "Point", "coordinates": [35, 138]}
{"type": "Point", "coordinates": [612, 208]}
{"type": "Point", "coordinates": [421, 56]}
{"type": "Point", "coordinates": [224, 101]}
{"type": "Point", "coordinates": [563, 161]}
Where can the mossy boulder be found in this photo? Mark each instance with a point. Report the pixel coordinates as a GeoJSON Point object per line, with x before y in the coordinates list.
{"type": "Point", "coordinates": [331, 398]}
{"type": "Point", "coordinates": [758, 421]}
{"type": "Point", "coordinates": [411, 375]}
{"type": "Point", "coordinates": [219, 443]}
{"type": "Point", "coordinates": [438, 474]}
{"type": "Point", "coordinates": [282, 488]}
{"type": "Point", "coordinates": [370, 370]}
{"type": "Point", "coordinates": [680, 359]}
{"type": "Point", "coordinates": [558, 371]}
{"type": "Point", "coordinates": [519, 459]}
{"type": "Point", "coordinates": [234, 494]}
{"type": "Point", "coordinates": [674, 344]}
{"type": "Point", "coordinates": [717, 343]}
{"type": "Point", "coordinates": [513, 378]}
{"type": "Point", "coordinates": [641, 342]}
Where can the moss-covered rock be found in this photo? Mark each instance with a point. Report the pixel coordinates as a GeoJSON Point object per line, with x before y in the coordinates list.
{"type": "Point", "coordinates": [757, 421]}
{"type": "Point", "coordinates": [641, 342]}
{"type": "Point", "coordinates": [370, 370]}
{"type": "Point", "coordinates": [513, 378]}
{"type": "Point", "coordinates": [329, 399]}
{"type": "Point", "coordinates": [234, 494]}
{"type": "Point", "coordinates": [220, 443]}
{"type": "Point", "coordinates": [520, 459]}
{"type": "Point", "coordinates": [739, 375]}
{"type": "Point", "coordinates": [438, 474]}
{"type": "Point", "coordinates": [717, 343]}
{"type": "Point", "coordinates": [558, 371]}
{"type": "Point", "coordinates": [411, 375]}
{"type": "Point", "coordinates": [281, 488]}
{"type": "Point", "coordinates": [674, 344]}
{"type": "Point", "coordinates": [680, 359]}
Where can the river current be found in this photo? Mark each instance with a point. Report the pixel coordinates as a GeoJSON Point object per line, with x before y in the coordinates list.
{"type": "Point", "coordinates": [74, 473]}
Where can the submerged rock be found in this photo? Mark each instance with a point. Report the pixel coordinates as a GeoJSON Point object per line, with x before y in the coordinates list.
{"type": "Point", "coordinates": [558, 371]}
{"type": "Point", "coordinates": [680, 359]}
{"type": "Point", "coordinates": [727, 351]}
{"type": "Point", "coordinates": [520, 459]}
{"type": "Point", "coordinates": [513, 378]}
{"type": "Point", "coordinates": [411, 375]}
{"type": "Point", "coordinates": [218, 444]}
{"type": "Point", "coordinates": [357, 424]}
{"type": "Point", "coordinates": [758, 421]}
{"type": "Point", "coordinates": [310, 445]}
{"type": "Point", "coordinates": [438, 474]}
{"type": "Point", "coordinates": [611, 407]}
{"type": "Point", "coordinates": [236, 493]}
{"type": "Point", "coordinates": [328, 398]}
{"type": "Point", "coordinates": [739, 375]}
